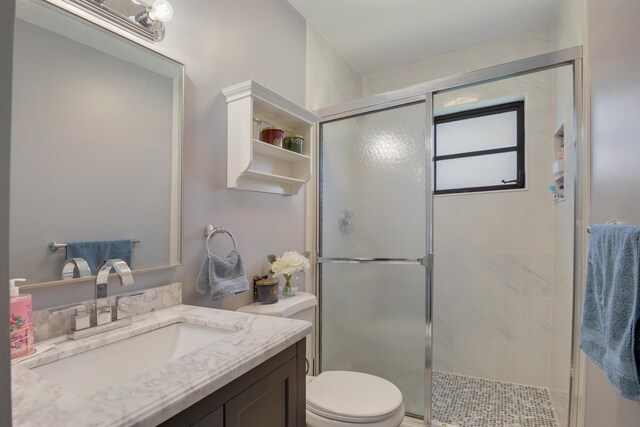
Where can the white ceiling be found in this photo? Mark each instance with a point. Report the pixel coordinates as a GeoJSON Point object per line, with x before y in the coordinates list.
{"type": "Point", "coordinates": [375, 35]}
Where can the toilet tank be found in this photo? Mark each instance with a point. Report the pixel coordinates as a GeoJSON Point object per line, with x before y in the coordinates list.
{"type": "Point", "coordinates": [301, 306]}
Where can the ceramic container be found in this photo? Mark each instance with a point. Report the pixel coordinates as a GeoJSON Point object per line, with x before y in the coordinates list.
{"type": "Point", "coordinates": [293, 143]}
{"type": "Point", "coordinates": [272, 135]}
{"type": "Point", "coordinates": [268, 290]}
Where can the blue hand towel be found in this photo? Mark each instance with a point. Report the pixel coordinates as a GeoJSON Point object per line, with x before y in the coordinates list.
{"type": "Point", "coordinates": [96, 252]}
{"type": "Point", "coordinates": [222, 276]}
{"type": "Point", "coordinates": [610, 333]}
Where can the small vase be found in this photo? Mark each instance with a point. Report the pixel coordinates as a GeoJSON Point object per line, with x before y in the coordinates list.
{"type": "Point", "coordinates": [287, 291]}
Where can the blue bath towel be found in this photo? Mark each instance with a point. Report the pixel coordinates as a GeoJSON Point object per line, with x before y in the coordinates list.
{"type": "Point", "coordinates": [221, 277]}
{"type": "Point", "coordinates": [610, 333]}
{"type": "Point", "coordinates": [96, 252]}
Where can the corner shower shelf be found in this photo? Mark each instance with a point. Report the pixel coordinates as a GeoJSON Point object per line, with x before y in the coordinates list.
{"type": "Point", "coordinates": [255, 165]}
{"type": "Point", "coordinates": [558, 165]}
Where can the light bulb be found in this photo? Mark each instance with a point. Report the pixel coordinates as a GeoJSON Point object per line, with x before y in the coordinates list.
{"type": "Point", "coordinates": [161, 10]}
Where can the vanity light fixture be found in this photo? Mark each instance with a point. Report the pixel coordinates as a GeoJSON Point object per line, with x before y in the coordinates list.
{"type": "Point", "coordinates": [143, 18]}
{"type": "Point", "coordinates": [155, 15]}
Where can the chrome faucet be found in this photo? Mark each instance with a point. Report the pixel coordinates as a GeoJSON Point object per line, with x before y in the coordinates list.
{"type": "Point", "coordinates": [80, 319]}
{"type": "Point", "coordinates": [103, 320]}
{"type": "Point", "coordinates": [75, 267]}
{"type": "Point", "coordinates": [102, 306]}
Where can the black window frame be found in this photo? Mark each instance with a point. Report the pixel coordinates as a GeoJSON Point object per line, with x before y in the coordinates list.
{"type": "Point", "coordinates": [518, 107]}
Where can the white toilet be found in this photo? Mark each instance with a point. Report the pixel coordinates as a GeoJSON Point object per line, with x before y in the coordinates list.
{"type": "Point", "coordinates": [338, 398]}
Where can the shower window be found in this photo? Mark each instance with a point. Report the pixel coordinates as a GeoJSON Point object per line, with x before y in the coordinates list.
{"type": "Point", "coordinates": [480, 149]}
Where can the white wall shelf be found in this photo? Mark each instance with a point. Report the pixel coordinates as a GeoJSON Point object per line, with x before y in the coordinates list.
{"type": "Point", "coordinates": [273, 178]}
{"type": "Point", "coordinates": [255, 165]}
{"type": "Point", "coordinates": [277, 152]}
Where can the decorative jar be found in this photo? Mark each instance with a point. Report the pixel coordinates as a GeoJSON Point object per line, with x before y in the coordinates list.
{"type": "Point", "coordinates": [293, 143]}
{"type": "Point", "coordinates": [268, 290]}
{"type": "Point", "coordinates": [272, 135]}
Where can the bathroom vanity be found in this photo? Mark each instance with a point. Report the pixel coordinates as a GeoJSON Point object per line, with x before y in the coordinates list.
{"type": "Point", "coordinates": [178, 366]}
{"type": "Point", "coordinates": [272, 394]}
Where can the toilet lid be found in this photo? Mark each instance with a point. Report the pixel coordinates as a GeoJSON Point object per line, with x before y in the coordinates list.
{"type": "Point", "coordinates": [352, 397]}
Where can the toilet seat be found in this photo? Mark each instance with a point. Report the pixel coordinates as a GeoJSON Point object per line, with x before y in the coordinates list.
{"type": "Point", "coordinates": [353, 397]}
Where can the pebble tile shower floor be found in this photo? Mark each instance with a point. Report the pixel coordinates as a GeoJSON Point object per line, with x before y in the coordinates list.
{"type": "Point", "coordinates": [476, 402]}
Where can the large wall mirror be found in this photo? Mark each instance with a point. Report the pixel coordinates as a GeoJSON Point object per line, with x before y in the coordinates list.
{"type": "Point", "coordinates": [96, 145]}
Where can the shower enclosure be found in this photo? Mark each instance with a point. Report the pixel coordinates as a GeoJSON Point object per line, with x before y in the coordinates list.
{"type": "Point", "coordinates": [445, 258]}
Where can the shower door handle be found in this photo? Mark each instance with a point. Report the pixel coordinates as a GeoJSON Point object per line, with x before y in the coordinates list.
{"type": "Point", "coordinates": [426, 261]}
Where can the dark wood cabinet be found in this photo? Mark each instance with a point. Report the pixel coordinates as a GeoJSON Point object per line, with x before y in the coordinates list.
{"type": "Point", "coordinates": [214, 419]}
{"type": "Point", "coordinates": [270, 395]}
{"type": "Point", "coordinates": [269, 403]}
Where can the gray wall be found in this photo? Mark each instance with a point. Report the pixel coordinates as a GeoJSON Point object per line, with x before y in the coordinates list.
{"type": "Point", "coordinates": [615, 107]}
{"type": "Point", "coordinates": [223, 43]}
{"type": "Point", "coordinates": [7, 13]}
{"type": "Point", "coordinates": [91, 156]}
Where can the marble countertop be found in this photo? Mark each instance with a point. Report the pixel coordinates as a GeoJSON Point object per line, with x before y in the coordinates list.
{"type": "Point", "coordinates": [156, 395]}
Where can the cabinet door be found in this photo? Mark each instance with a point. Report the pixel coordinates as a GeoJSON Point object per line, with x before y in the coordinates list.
{"type": "Point", "coordinates": [214, 419]}
{"type": "Point", "coordinates": [271, 402]}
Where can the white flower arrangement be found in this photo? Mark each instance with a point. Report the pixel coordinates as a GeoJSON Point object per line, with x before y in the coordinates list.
{"type": "Point", "coordinates": [287, 265]}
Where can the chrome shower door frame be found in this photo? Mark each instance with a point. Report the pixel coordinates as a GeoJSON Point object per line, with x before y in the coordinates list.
{"type": "Point", "coordinates": [426, 260]}
{"type": "Point", "coordinates": [425, 92]}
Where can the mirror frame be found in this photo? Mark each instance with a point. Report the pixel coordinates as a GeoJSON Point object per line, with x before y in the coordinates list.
{"type": "Point", "coordinates": [60, 6]}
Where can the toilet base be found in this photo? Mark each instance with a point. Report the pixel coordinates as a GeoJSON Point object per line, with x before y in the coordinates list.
{"type": "Point", "coordinates": [394, 420]}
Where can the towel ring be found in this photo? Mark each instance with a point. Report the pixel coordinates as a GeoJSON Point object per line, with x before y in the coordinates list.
{"type": "Point", "coordinates": [211, 231]}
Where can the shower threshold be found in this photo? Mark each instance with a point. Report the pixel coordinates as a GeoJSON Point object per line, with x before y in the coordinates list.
{"type": "Point", "coordinates": [418, 422]}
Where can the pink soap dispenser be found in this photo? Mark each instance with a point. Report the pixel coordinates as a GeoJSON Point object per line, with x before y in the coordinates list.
{"type": "Point", "coordinates": [21, 329]}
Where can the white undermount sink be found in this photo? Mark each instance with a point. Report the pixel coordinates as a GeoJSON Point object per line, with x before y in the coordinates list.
{"type": "Point", "coordinates": [87, 373]}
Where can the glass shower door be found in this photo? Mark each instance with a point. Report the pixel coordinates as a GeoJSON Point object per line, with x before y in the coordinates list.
{"type": "Point", "coordinates": [373, 247]}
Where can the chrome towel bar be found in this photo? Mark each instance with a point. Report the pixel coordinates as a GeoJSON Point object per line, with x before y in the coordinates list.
{"type": "Point", "coordinates": [610, 222]}
{"type": "Point", "coordinates": [54, 246]}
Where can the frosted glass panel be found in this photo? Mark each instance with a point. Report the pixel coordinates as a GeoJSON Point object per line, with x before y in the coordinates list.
{"type": "Point", "coordinates": [373, 174]}
{"type": "Point", "coordinates": [477, 133]}
{"type": "Point", "coordinates": [477, 171]}
{"type": "Point", "coordinates": [372, 321]}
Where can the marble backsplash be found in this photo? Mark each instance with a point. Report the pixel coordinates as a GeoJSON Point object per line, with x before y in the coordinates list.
{"type": "Point", "coordinates": [49, 325]}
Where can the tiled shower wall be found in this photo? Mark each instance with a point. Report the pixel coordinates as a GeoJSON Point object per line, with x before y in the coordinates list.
{"type": "Point", "coordinates": [493, 287]}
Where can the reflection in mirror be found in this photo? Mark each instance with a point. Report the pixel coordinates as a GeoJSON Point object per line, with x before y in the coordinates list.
{"type": "Point", "coordinates": [96, 148]}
